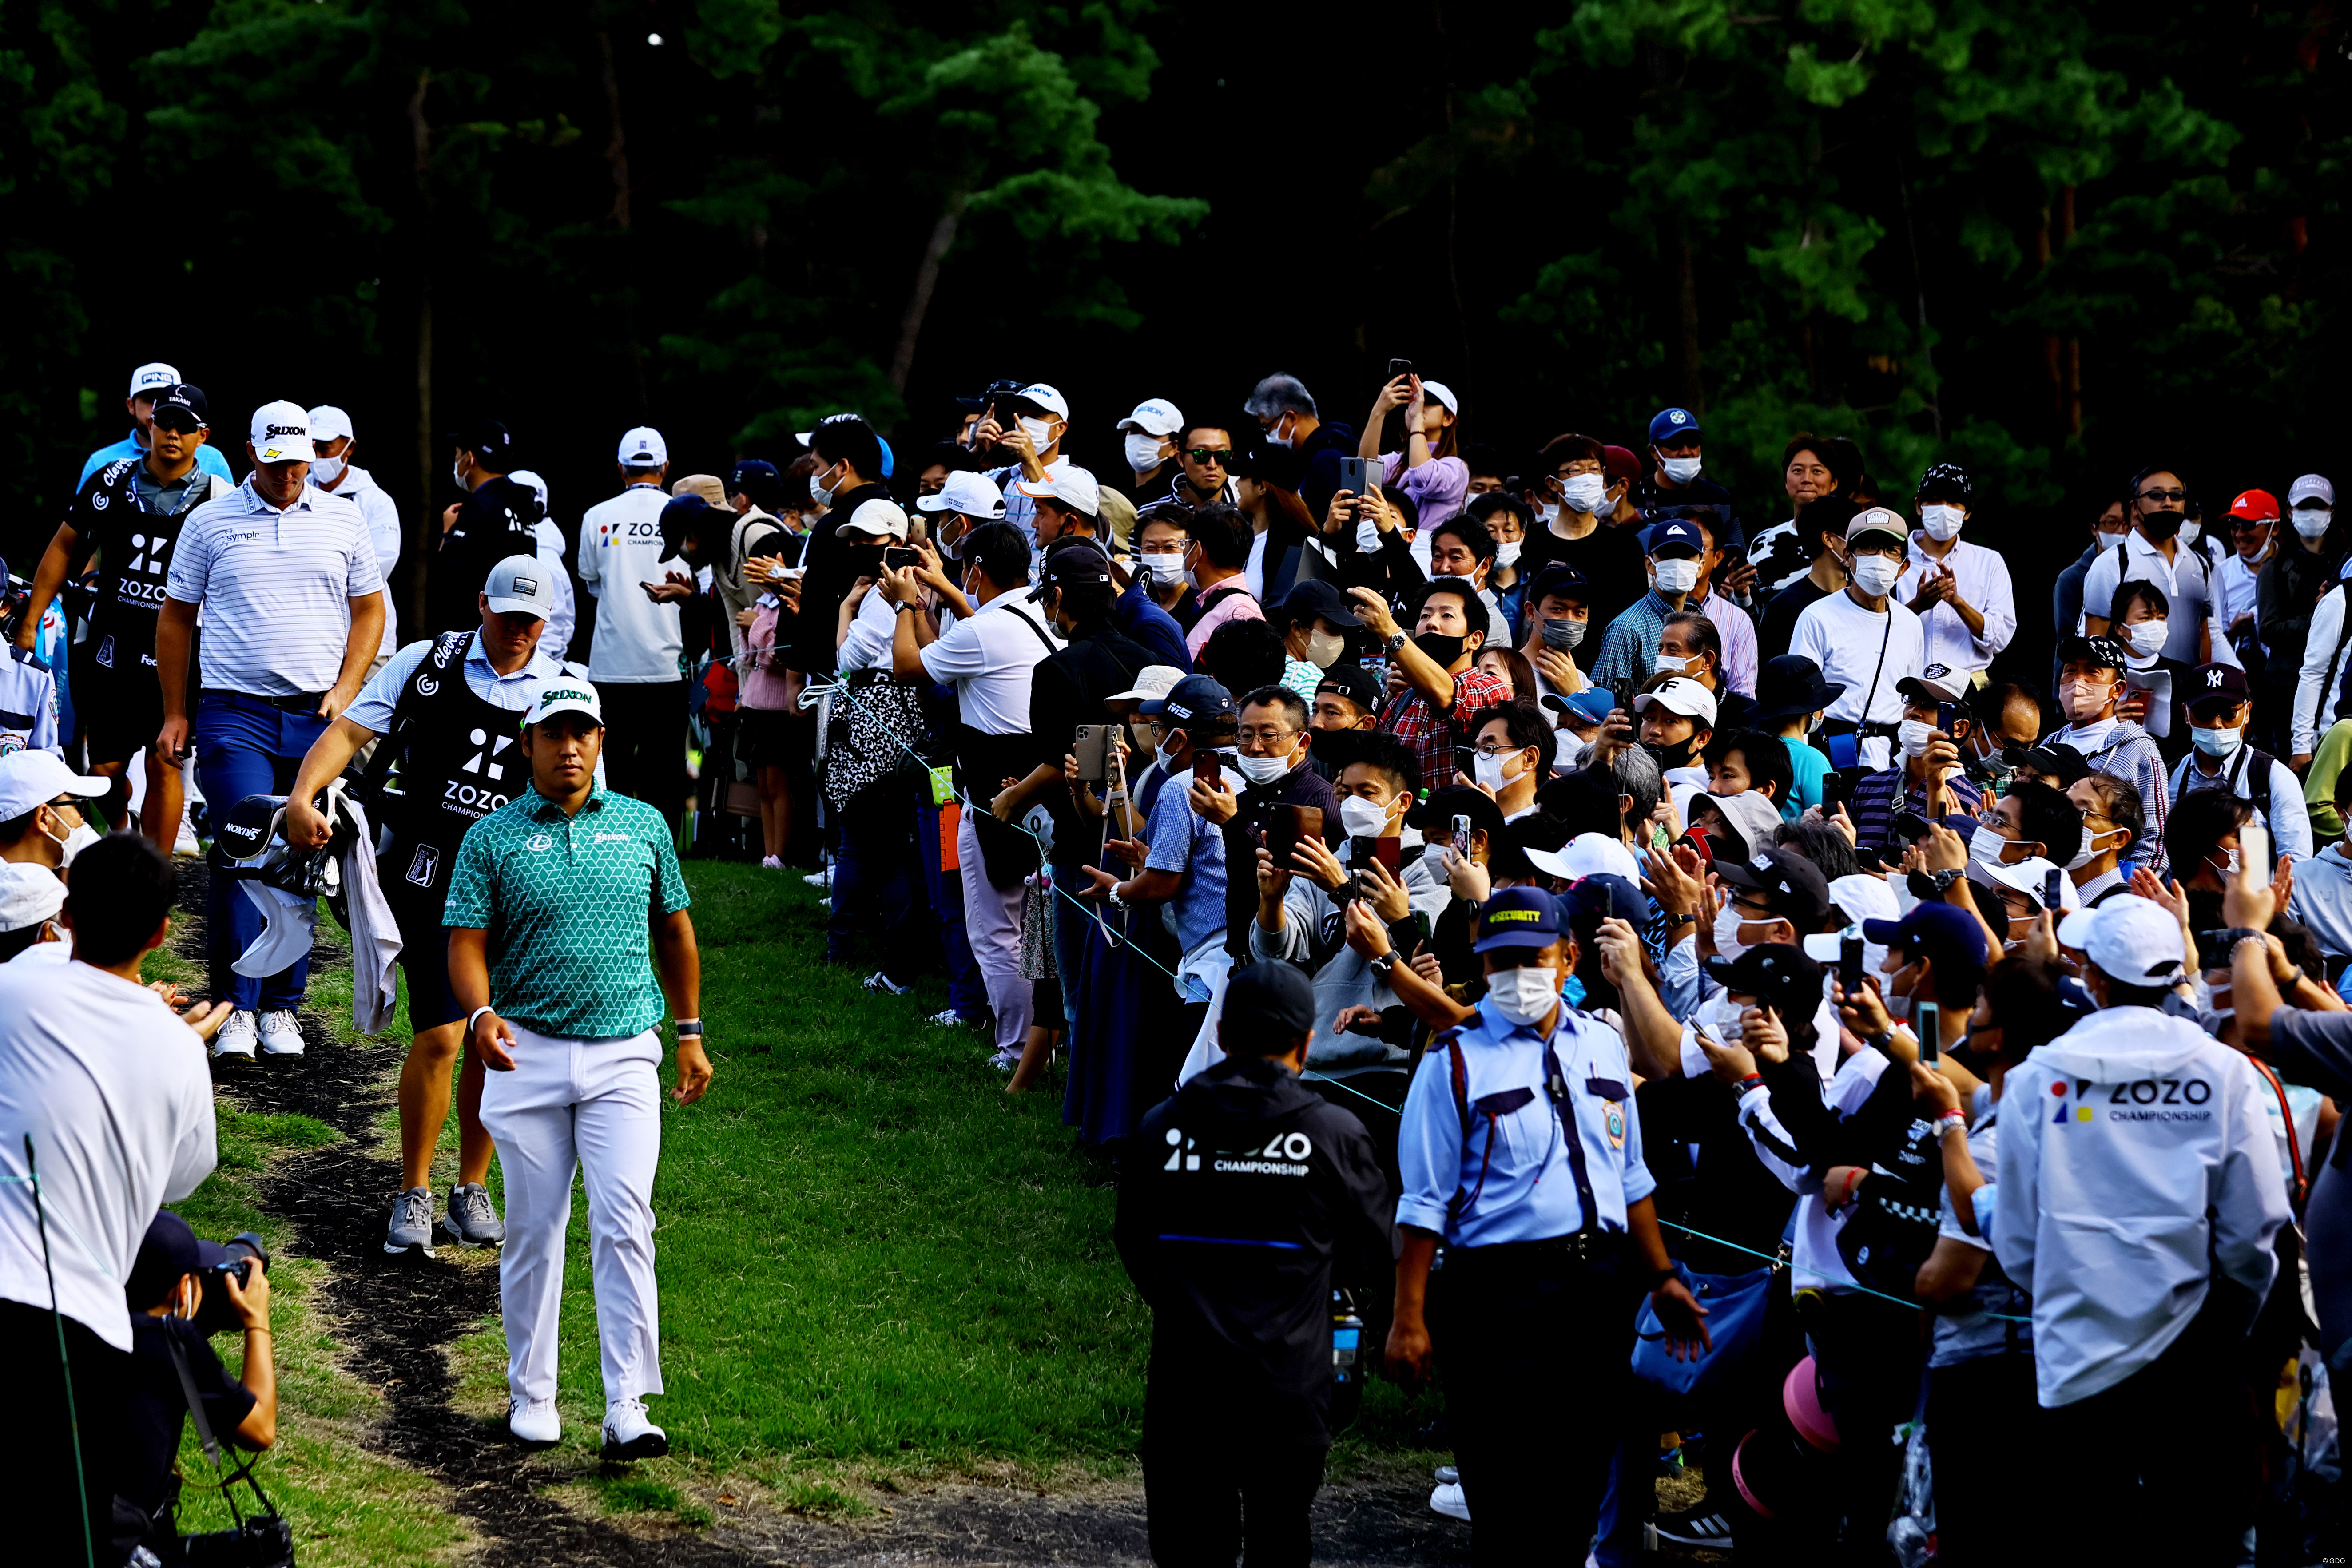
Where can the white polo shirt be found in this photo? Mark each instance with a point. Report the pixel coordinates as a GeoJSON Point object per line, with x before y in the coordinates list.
{"type": "Point", "coordinates": [1982, 578]}
{"type": "Point", "coordinates": [990, 658]}
{"type": "Point", "coordinates": [113, 1089]}
{"type": "Point", "coordinates": [276, 587]}
{"type": "Point", "coordinates": [1846, 640]}
{"type": "Point", "coordinates": [621, 547]}
{"type": "Point", "coordinates": [359, 488]}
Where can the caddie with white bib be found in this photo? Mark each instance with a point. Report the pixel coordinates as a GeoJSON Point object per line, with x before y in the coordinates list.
{"type": "Point", "coordinates": [451, 706]}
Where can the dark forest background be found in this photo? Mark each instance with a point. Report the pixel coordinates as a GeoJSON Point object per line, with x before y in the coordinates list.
{"type": "Point", "coordinates": [2055, 242]}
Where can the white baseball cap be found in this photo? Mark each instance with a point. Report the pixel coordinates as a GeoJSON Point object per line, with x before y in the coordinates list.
{"type": "Point", "coordinates": [2309, 487]}
{"type": "Point", "coordinates": [151, 377]}
{"type": "Point", "coordinates": [1588, 855]}
{"type": "Point", "coordinates": [522, 585]}
{"type": "Point", "coordinates": [1152, 682]}
{"type": "Point", "coordinates": [1045, 397]}
{"type": "Point", "coordinates": [2028, 875]}
{"type": "Point", "coordinates": [1443, 393]}
{"type": "Point", "coordinates": [31, 778]}
{"type": "Point", "coordinates": [281, 433]}
{"type": "Point", "coordinates": [644, 448]}
{"type": "Point", "coordinates": [565, 694]}
{"type": "Point", "coordinates": [29, 894]}
{"type": "Point", "coordinates": [877, 519]}
{"type": "Point", "coordinates": [1073, 486]}
{"type": "Point", "coordinates": [968, 493]}
{"type": "Point", "coordinates": [329, 423]}
{"type": "Point", "coordinates": [1683, 696]}
{"type": "Point", "coordinates": [526, 477]}
{"type": "Point", "coordinates": [1154, 416]}
{"type": "Point", "coordinates": [2128, 938]}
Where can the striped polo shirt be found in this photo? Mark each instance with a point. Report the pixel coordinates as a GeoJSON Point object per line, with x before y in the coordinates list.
{"type": "Point", "coordinates": [566, 903]}
{"type": "Point", "coordinates": [275, 588]}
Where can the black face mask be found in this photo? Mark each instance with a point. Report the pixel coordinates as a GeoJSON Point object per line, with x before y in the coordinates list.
{"type": "Point", "coordinates": [2160, 525]}
{"type": "Point", "coordinates": [1440, 648]}
{"type": "Point", "coordinates": [1671, 755]}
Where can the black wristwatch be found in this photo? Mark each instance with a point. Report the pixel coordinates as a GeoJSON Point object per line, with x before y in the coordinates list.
{"type": "Point", "coordinates": [1384, 965]}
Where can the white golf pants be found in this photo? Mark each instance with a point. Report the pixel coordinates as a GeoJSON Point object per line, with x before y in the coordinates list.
{"type": "Point", "coordinates": [593, 1106]}
{"type": "Point", "coordinates": [992, 921]}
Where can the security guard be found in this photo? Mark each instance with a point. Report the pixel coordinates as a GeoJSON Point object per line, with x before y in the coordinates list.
{"type": "Point", "coordinates": [1245, 1197]}
{"type": "Point", "coordinates": [1521, 1151]}
{"type": "Point", "coordinates": [453, 704]}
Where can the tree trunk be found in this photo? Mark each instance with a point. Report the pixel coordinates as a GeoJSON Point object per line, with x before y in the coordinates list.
{"type": "Point", "coordinates": [429, 530]}
{"type": "Point", "coordinates": [1686, 357]}
{"type": "Point", "coordinates": [2074, 381]}
{"type": "Point", "coordinates": [1919, 286]}
{"type": "Point", "coordinates": [926, 280]}
{"type": "Point", "coordinates": [616, 159]}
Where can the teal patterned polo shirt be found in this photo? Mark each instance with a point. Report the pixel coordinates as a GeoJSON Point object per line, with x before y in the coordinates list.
{"type": "Point", "coordinates": [567, 903]}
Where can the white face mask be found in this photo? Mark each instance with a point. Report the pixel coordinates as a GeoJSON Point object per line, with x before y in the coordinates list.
{"type": "Point", "coordinates": [1986, 845]}
{"type": "Point", "coordinates": [1364, 819]}
{"type": "Point", "coordinates": [1276, 436]}
{"type": "Point", "coordinates": [1262, 770]}
{"type": "Point", "coordinates": [1506, 553]}
{"type": "Point", "coordinates": [1875, 575]}
{"type": "Point", "coordinates": [1669, 665]}
{"type": "Point", "coordinates": [1915, 734]}
{"type": "Point", "coordinates": [2312, 523]}
{"type": "Point", "coordinates": [1167, 568]}
{"type": "Point", "coordinates": [457, 472]}
{"type": "Point", "coordinates": [80, 839]}
{"type": "Point", "coordinates": [1039, 431]}
{"type": "Point", "coordinates": [1681, 470]}
{"type": "Point", "coordinates": [1942, 522]}
{"type": "Point", "coordinates": [1524, 996]}
{"type": "Point", "coordinates": [1143, 451]}
{"type": "Point", "coordinates": [325, 471]}
{"type": "Point", "coordinates": [1727, 924]}
{"type": "Point", "coordinates": [2146, 637]}
{"type": "Point", "coordinates": [1547, 513]}
{"type": "Point", "coordinates": [1678, 576]}
{"type": "Point", "coordinates": [1367, 536]}
{"type": "Point", "coordinates": [1488, 771]}
{"type": "Point", "coordinates": [1588, 494]}
{"type": "Point", "coordinates": [2216, 744]}
{"type": "Point", "coordinates": [2228, 864]}
{"type": "Point", "coordinates": [2191, 532]}
{"type": "Point", "coordinates": [2091, 847]}
{"type": "Point", "coordinates": [823, 494]}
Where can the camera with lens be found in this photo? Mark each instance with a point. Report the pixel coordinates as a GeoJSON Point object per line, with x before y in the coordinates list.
{"type": "Point", "coordinates": [215, 1314]}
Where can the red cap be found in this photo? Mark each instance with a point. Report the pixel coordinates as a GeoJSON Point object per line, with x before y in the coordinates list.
{"type": "Point", "coordinates": [1619, 463]}
{"type": "Point", "coordinates": [2255, 506]}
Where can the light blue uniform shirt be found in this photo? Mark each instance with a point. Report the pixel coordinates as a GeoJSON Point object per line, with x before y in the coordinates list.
{"type": "Point", "coordinates": [1529, 1191]}
{"type": "Point", "coordinates": [1189, 844]}
{"type": "Point", "coordinates": [208, 460]}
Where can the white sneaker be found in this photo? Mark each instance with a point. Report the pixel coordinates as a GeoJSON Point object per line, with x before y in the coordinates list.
{"type": "Point", "coordinates": [237, 1038]}
{"type": "Point", "coordinates": [820, 877]}
{"type": "Point", "coordinates": [878, 982]}
{"type": "Point", "coordinates": [280, 1035]}
{"type": "Point", "coordinates": [533, 1422]}
{"type": "Point", "coordinates": [186, 843]}
{"type": "Point", "coordinates": [771, 863]}
{"type": "Point", "coordinates": [630, 1434]}
{"type": "Point", "coordinates": [1447, 1500]}
{"type": "Point", "coordinates": [948, 1018]}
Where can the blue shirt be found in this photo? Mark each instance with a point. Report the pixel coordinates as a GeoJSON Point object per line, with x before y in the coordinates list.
{"type": "Point", "coordinates": [1629, 649]}
{"type": "Point", "coordinates": [1516, 1161]}
{"type": "Point", "coordinates": [1189, 844]}
{"type": "Point", "coordinates": [1811, 768]}
{"type": "Point", "coordinates": [1139, 618]}
{"type": "Point", "coordinates": [208, 460]}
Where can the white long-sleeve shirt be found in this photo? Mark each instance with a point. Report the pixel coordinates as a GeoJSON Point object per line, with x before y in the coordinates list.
{"type": "Point", "coordinates": [1982, 579]}
{"type": "Point", "coordinates": [2321, 682]}
{"type": "Point", "coordinates": [2146, 1168]}
{"type": "Point", "coordinates": [359, 488]}
{"type": "Point", "coordinates": [2280, 809]}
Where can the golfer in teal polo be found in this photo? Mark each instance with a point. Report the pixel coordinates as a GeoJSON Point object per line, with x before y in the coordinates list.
{"type": "Point", "coordinates": [563, 905]}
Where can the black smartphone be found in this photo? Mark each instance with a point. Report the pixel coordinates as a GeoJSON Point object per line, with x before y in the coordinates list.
{"type": "Point", "coordinates": [1398, 367]}
{"type": "Point", "coordinates": [1946, 715]}
{"type": "Point", "coordinates": [1355, 475]}
{"type": "Point", "coordinates": [1360, 855]}
{"type": "Point", "coordinates": [1926, 1022]}
{"type": "Point", "coordinates": [2051, 888]}
{"type": "Point", "coordinates": [1836, 790]}
{"type": "Point", "coordinates": [897, 558]}
{"type": "Point", "coordinates": [1850, 964]}
{"type": "Point", "coordinates": [1908, 825]}
{"type": "Point", "coordinates": [1207, 768]}
{"type": "Point", "coordinates": [1287, 827]}
{"type": "Point", "coordinates": [1092, 748]}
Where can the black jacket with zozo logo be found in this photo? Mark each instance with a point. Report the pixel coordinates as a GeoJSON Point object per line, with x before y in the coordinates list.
{"type": "Point", "coordinates": [1245, 1198]}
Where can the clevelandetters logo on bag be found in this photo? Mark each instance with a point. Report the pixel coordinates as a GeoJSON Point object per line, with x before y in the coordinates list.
{"type": "Point", "coordinates": [2141, 1099]}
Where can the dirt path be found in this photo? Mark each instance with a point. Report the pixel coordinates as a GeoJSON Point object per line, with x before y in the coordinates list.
{"type": "Point", "coordinates": [395, 1319]}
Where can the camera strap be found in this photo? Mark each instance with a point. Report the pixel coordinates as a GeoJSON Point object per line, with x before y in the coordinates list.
{"type": "Point", "coordinates": [229, 1477]}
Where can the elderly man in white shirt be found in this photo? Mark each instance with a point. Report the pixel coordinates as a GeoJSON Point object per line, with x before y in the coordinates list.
{"type": "Point", "coordinates": [1958, 589]}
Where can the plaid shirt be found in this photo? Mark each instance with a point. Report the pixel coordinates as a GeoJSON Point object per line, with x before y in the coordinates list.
{"type": "Point", "coordinates": [1629, 649]}
{"type": "Point", "coordinates": [1879, 796]}
{"type": "Point", "coordinates": [1433, 735]}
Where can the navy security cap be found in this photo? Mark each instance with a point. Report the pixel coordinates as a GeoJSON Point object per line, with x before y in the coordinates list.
{"type": "Point", "coordinates": [1277, 991]}
{"type": "Point", "coordinates": [1673, 538]}
{"type": "Point", "coordinates": [1189, 701]}
{"type": "Point", "coordinates": [1517, 916]}
{"type": "Point", "coordinates": [1954, 938]}
{"type": "Point", "coordinates": [1673, 426]}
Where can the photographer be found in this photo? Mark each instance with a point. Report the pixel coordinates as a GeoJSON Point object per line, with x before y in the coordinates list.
{"type": "Point", "coordinates": [180, 1292]}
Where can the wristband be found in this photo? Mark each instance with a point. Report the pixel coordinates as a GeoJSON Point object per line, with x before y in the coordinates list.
{"type": "Point", "coordinates": [1749, 1084]}
{"type": "Point", "coordinates": [1948, 1119]}
{"type": "Point", "coordinates": [690, 1026]}
{"type": "Point", "coordinates": [474, 1017]}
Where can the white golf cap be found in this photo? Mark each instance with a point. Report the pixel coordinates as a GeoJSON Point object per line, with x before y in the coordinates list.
{"type": "Point", "coordinates": [32, 778]}
{"type": "Point", "coordinates": [153, 377]}
{"type": "Point", "coordinates": [1588, 855]}
{"type": "Point", "coordinates": [522, 585]}
{"type": "Point", "coordinates": [1152, 682]}
{"type": "Point", "coordinates": [565, 694]}
{"type": "Point", "coordinates": [1749, 815]}
{"type": "Point", "coordinates": [526, 477]}
{"type": "Point", "coordinates": [1860, 897]}
{"type": "Point", "coordinates": [329, 423]}
{"type": "Point", "coordinates": [968, 493]}
{"type": "Point", "coordinates": [2311, 486]}
{"type": "Point", "coordinates": [644, 448]}
{"type": "Point", "coordinates": [1073, 486]}
{"type": "Point", "coordinates": [876, 519]}
{"type": "Point", "coordinates": [1443, 393]}
{"type": "Point", "coordinates": [2128, 938]}
{"type": "Point", "coordinates": [1154, 416]}
{"type": "Point", "coordinates": [1683, 696]}
{"type": "Point", "coordinates": [29, 894]}
{"type": "Point", "coordinates": [1045, 397]}
{"type": "Point", "coordinates": [2028, 877]}
{"type": "Point", "coordinates": [281, 433]}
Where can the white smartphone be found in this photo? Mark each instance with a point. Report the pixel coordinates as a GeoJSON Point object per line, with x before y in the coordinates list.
{"type": "Point", "coordinates": [2255, 848]}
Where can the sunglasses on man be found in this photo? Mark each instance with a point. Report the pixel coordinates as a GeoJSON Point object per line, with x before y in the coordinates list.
{"type": "Point", "coordinates": [1210, 457]}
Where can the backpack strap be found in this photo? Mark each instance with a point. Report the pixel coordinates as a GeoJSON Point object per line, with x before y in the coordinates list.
{"type": "Point", "coordinates": [2302, 1189]}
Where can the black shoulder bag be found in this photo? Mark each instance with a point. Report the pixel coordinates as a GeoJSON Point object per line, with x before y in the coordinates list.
{"type": "Point", "coordinates": [262, 1539]}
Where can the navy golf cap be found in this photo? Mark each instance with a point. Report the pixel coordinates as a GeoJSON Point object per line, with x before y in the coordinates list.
{"type": "Point", "coordinates": [1671, 537]}
{"type": "Point", "coordinates": [1517, 916]}
{"type": "Point", "coordinates": [1192, 699]}
{"type": "Point", "coordinates": [1277, 991]}
{"type": "Point", "coordinates": [1672, 424]}
{"type": "Point", "coordinates": [1951, 936]}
